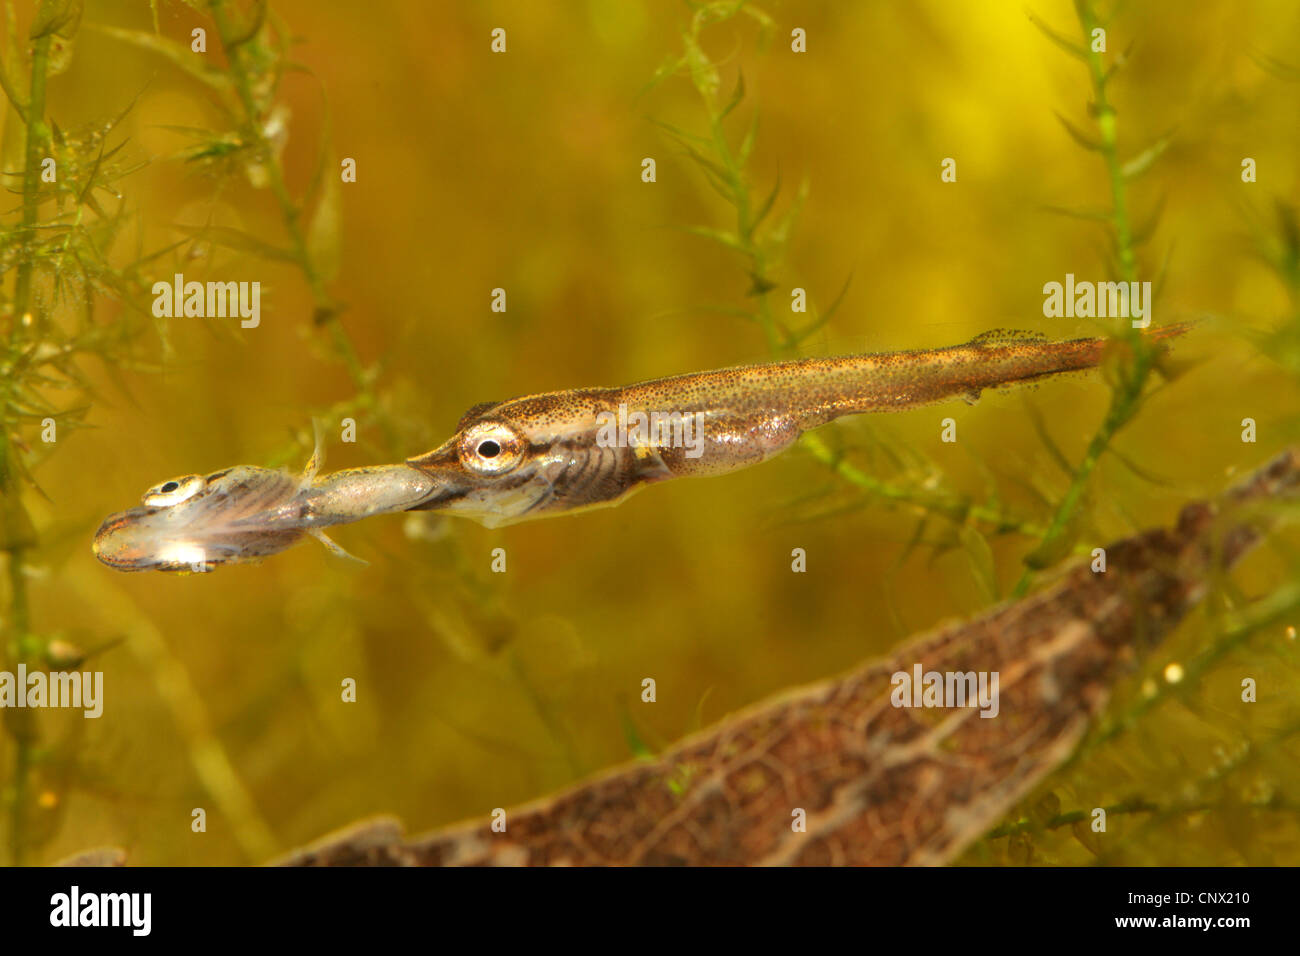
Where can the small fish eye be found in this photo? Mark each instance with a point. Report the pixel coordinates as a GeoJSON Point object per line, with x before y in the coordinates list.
{"type": "Point", "coordinates": [173, 492]}
{"type": "Point", "coordinates": [490, 448]}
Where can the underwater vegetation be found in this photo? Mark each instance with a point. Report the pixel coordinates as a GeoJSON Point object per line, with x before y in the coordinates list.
{"type": "Point", "coordinates": [228, 218]}
{"type": "Point", "coordinates": [871, 783]}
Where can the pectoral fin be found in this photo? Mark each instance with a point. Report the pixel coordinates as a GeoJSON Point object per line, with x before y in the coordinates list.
{"type": "Point", "coordinates": [334, 548]}
{"type": "Point", "coordinates": [647, 465]}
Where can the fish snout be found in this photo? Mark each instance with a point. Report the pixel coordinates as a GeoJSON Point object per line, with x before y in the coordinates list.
{"type": "Point", "coordinates": [132, 541]}
{"type": "Point", "coordinates": [120, 543]}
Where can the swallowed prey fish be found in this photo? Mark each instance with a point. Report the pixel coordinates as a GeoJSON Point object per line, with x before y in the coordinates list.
{"type": "Point", "coordinates": [561, 451]}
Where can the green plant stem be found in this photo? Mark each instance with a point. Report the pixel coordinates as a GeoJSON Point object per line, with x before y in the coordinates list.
{"type": "Point", "coordinates": [327, 312]}
{"type": "Point", "coordinates": [1131, 807]}
{"type": "Point", "coordinates": [1014, 827]}
{"type": "Point", "coordinates": [1107, 124]}
{"type": "Point", "coordinates": [326, 308]}
{"type": "Point", "coordinates": [954, 509]}
{"type": "Point", "coordinates": [19, 723]}
{"type": "Point", "coordinates": [761, 252]}
{"type": "Point", "coordinates": [37, 135]}
{"type": "Point", "coordinates": [1217, 774]}
{"type": "Point", "coordinates": [1125, 398]}
{"type": "Point", "coordinates": [21, 726]}
{"type": "Point", "coordinates": [745, 230]}
{"type": "Point", "coordinates": [1272, 611]}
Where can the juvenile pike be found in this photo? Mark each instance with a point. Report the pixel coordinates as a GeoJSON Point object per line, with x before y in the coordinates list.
{"type": "Point", "coordinates": [561, 451]}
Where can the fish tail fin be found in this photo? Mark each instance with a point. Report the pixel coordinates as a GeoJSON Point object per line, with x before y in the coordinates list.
{"type": "Point", "coordinates": [1170, 331]}
{"type": "Point", "coordinates": [1029, 356]}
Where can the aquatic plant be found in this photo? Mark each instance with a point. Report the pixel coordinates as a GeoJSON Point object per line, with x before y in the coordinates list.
{"type": "Point", "coordinates": [73, 295]}
{"type": "Point", "coordinates": [1245, 782]}
{"type": "Point", "coordinates": [503, 676]}
{"type": "Point", "coordinates": [921, 487]}
{"type": "Point", "coordinates": [58, 277]}
{"type": "Point", "coordinates": [866, 784]}
{"type": "Point", "coordinates": [759, 237]}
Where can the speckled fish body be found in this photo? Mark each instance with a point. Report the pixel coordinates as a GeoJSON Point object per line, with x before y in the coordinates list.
{"type": "Point", "coordinates": [547, 454]}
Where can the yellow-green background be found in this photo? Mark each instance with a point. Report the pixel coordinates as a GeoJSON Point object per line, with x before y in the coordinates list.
{"type": "Point", "coordinates": [522, 171]}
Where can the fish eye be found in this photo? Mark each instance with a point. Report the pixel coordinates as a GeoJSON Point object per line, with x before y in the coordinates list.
{"type": "Point", "coordinates": [173, 492]}
{"type": "Point", "coordinates": [491, 448]}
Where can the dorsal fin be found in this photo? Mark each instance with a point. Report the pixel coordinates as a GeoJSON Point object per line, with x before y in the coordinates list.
{"type": "Point", "coordinates": [317, 456]}
{"type": "Point", "coordinates": [998, 338]}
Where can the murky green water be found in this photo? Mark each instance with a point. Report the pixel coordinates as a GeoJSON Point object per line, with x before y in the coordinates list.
{"type": "Point", "coordinates": [522, 171]}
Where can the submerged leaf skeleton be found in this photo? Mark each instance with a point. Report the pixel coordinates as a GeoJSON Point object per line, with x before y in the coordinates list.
{"type": "Point", "coordinates": [558, 452]}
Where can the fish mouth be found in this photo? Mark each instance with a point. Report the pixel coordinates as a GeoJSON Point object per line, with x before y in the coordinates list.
{"type": "Point", "coordinates": [480, 500]}
{"type": "Point", "coordinates": [114, 545]}
{"type": "Point", "coordinates": [493, 504]}
{"type": "Point", "coordinates": [440, 498]}
{"type": "Point", "coordinates": [236, 514]}
{"type": "Point", "coordinates": [125, 543]}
